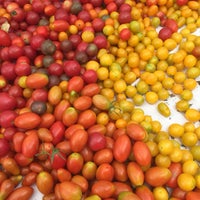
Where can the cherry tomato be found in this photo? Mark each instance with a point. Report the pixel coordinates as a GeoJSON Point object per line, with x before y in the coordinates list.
{"type": "Point", "coordinates": [122, 148]}
{"type": "Point", "coordinates": [70, 116]}
{"type": "Point", "coordinates": [68, 190]}
{"type": "Point", "coordinates": [44, 182]}
{"type": "Point", "coordinates": [89, 170]}
{"type": "Point", "coordinates": [157, 176]}
{"type": "Point", "coordinates": [23, 193]}
{"type": "Point", "coordinates": [81, 181]}
{"type": "Point", "coordinates": [7, 102]}
{"type": "Point", "coordinates": [90, 89]}
{"type": "Point", "coordinates": [82, 103]}
{"type": "Point", "coordinates": [144, 193]}
{"type": "Point", "coordinates": [120, 187]}
{"type": "Point", "coordinates": [76, 83]}
{"type": "Point", "coordinates": [4, 38]}
{"type": "Point", "coordinates": [192, 195]}
{"type": "Point", "coordinates": [105, 171]}
{"type": "Point", "coordinates": [4, 147]}
{"type": "Point", "coordinates": [103, 189]}
{"type": "Point", "coordinates": [6, 188]}
{"type": "Point", "coordinates": [30, 144]}
{"type": "Point", "coordinates": [104, 155]}
{"type": "Point", "coordinates": [120, 171]}
{"type": "Point", "coordinates": [37, 80]}
{"type": "Point", "coordinates": [57, 130]}
{"type": "Point", "coordinates": [96, 141]}
{"type": "Point", "coordinates": [87, 118]}
{"type": "Point", "coordinates": [63, 175]}
{"type": "Point", "coordinates": [10, 165]}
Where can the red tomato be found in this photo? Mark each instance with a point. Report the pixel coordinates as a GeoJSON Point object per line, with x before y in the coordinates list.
{"type": "Point", "coordinates": [22, 160]}
{"type": "Point", "coordinates": [96, 141]}
{"type": "Point", "coordinates": [5, 39]}
{"type": "Point", "coordinates": [78, 140]}
{"type": "Point", "coordinates": [90, 89]}
{"type": "Point", "coordinates": [136, 131]}
{"type": "Point", "coordinates": [72, 129]}
{"type": "Point", "coordinates": [47, 119]}
{"type": "Point", "coordinates": [60, 25]}
{"type": "Point", "coordinates": [176, 170]}
{"type": "Point", "coordinates": [157, 176]}
{"type": "Point", "coordinates": [171, 24]}
{"type": "Point", "coordinates": [72, 68]}
{"type": "Point", "coordinates": [64, 146]}
{"type": "Point", "coordinates": [192, 195]}
{"type": "Point", "coordinates": [181, 2]}
{"type": "Point", "coordinates": [87, 153]}
{"type": "Point", "coordinates": [103, 156]}
{"type": "Point", "coordinates": [7, 102]}
{"type": "Point", "coordinates": [104, 189]}
{"type": "Point", "coordinates": [125, 34]}
{"type": "Point", "coordinates": [30, 144]}
{"type": "Point", "coordinates": [87, 118]}
{"type": "Point", "coordinates": [97, 128]}
{"type": "Point", "coordinates": [44, 182]}
{"type": "Point", "coordinates": [122, 148]}
{"type": "Point", "coordinates": [63, 174]}
{"type": "Point", "coordinates": [60, 108]}
{"type": "Point", "coordinates": [58, 131]}
{"type": "Point", "coordinates": [37, 80]}
{"type": "Point", "coordinates": [151, 2]}
{"type": "Point", "coordinates": [29, 179]}
{"type": "Point", "coordinates": [120, 171]}
{"type": "Point", "coordinates": [10, 165]}
{"type": "Point", "coordinates": [165, 33]}
{"type": "Point", "coordinates": [82, 103]}
{"type": "Point", "coordinates": [128, 195]}
{"type": "Point", "coordinates": [27, 120]}
{"type": "Point", "coordinates": [135, 174]}
{"type": "Point", "coordinates": [141, 153]}
{"type": "Point", "coordinates": [6, 188]}
{"type": "Point", "coordinates": [57, 158]}
{"type": "Point", "coordinates": [68, 190]}
{"type": "Point", "coordinates": [4, 147]}
{"type": "Point", "coordinates": [105, 171]}
{"type": "Point", "coordinates": [17, 140]}
{"type": "Point", "coordinates": [76, 83]}
{"type": "Point", "coordinates": [178, 193]}
{"type": "Point", "coordinates": [75, 163]}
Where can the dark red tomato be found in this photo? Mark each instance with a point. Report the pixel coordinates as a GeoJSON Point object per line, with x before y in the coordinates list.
{"type": "Point", "coordinates": [7, 118]}
{"type": "Point", "coordinates": [71, 68]}
{"type": "Point", "coordinates": [15, 51]}
{"type": "Point", "coordinates": [4, 147]}
{"type": "Point", "coordinates": [90, 76]}
{"type": "Point", "coordinates": [55, 69]}
{"type": "Point", "coordinates": [29, 179]}
{"type": "Point", "coordinates": [176, 170]}
{"type": "Point", "coordinates": [96, 141]}
{"type": "Point", "coordinates": [196, 51]}
{"type": "Point", "coordinates": [79, 135]}
{"type": "Point", "coordinates": [120, 171]}
{"type": "Point", "coordinates": [171, 24]}
{"type": "Point", "coordinates": [165, 33]}
{"type": "Point", "coordinates": [36, 41]}
{"type": "Point", "coordinates": [40, 94]}
{"type": "Point", "coordinates": [17, 141]}
{"type": "Point", "coordinates": [105, 171]}
{"type": "Point", "coordinates": [32, 18]}
{"type": "Point", "coordinates": [5, 39]}
{"type": "Point", "coordinates": [57, 130]}
{"type": "Point", "coordinates": [9, 133]}
{"type": "Point", "coordinates": [22, 69]}
{"type": "Point", "coordinates": [30, 144]}
{"type": "Point", "coordinates": [7, 102]}
{"type": "Point", "coordinates": [75, 162]}
{"type": "Point", "coordinates": [122, 148]}
{"type": "Point", "coordinates": [15, 91]}
{"type": "Point", "coordinates": [100, 41]}
{"type": "Point", "coordinates": [104, 189]}
{"type": "Point", "coordinates": [87, 153]}
{"type": "Point", "coordinates": [8, 70]}
{"type": "Point", "coordinates": [98, 24]}
{"type": "Point", "coordinates": [58, 159]}
{"type": "Point", "coordinates": [178, 193]}
{"type": "Point", "coordinates": [18, 14]}
{"type": "Point", "coordinates": [103, 156]}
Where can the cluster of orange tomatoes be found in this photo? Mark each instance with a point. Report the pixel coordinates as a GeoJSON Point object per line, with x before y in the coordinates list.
{"type": "Point", "coordinates": [74, 75]}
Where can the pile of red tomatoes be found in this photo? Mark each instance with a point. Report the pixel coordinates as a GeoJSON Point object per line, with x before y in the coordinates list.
{"type": "Point", "coordinates": [67, 123]}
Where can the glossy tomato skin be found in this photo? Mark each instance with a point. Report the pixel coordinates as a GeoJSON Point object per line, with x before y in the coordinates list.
{"type": "Point", "coordinates": [120, 187]}
{"type": "Point", "coordinates": [58, 159]}
{"type": "Point", "coordinates": [104, 189]}
{"type": "Point", "coordinates": [105, 171]}
{"type": "Point", "coordinates": [176, 170]}
{"type": "Point", "coordinates": [104, 155]}
{"type": "Point", "coordinates": [10, 165]}
{"type": "Point", "coordinates": [30, 144]}
{"type": "Point", "coordinates": [27, 120]}
{"type": "Point", "coordinates": [81, 181]}
{"type": "Point", "coordinates": [89, 170]}
{"type": "Point", "coordinates": [192, 195]}
{"type": "Point", "coordinates": [122, 148]}
{"type": "Point", "coordinates": [23, 193]}
{"type": "Point", "coordinates": [142, 153]}
{"type": "Point", "coordinates": [7, 102]}
{"type": "Point", "coordinates": [120, 171]}
{"type": "Point", "coordinates": [57, 130]}
{"type": "Point", "coordinates": [4, 38]}
{"type": "Point", "coordinates": [4, 147]}
{"type": "Point", "coordinates": [157, 176]}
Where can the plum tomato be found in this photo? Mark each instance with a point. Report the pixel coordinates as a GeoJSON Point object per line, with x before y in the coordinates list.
{"type": "Point", "coordinates": [58, 159]}
{"type": "Point", "coordinates": [4, 147]}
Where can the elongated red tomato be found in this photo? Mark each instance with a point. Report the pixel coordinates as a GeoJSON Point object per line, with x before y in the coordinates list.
{"type": "Point", "coordinates": [122, 148]}
{"type": "Point", "coordinates": [28, 120]}
{"type": "Point", "coordinates": [104, 189]}
{"type": "Point", "coordinates": [30, 144]}
{"type": "Point", "coordinates": [58, 131]}
{"type": "Point", "coordinates": [60, 25]}
{"type": "Point", "coordinates": [176, 170]}
{"type": "Point", "coordinates": [70, 116]}
{"type": "Point", "coordinates": [90, 89]}
{"type": "Point", "coordinates": [60, 108]}
{"type": "Point", "coordinates": [83, 103]}
{"type": "Point", "coordinates": [37, 80]}
{"type": "Point", "coordinates": [135, 174]}
{"type": "Point", "coordinates": [54, 95]}
{"type": "Point", "coordinates": [22, 193]}
{"type": "Point", "coordinates": [87, 118]}
{"type": "Point", "coordinates": [157, 176]}
{"type": "Point", "coordinates": [76, 83]}
{"type": "Point", "coordinates": [142, 153]}
{"type": "Point", "coordinates": [136, 131]}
